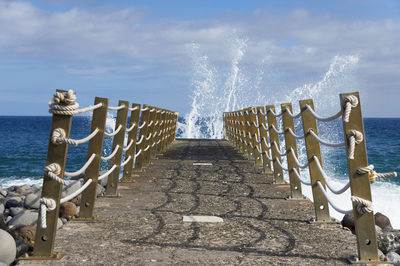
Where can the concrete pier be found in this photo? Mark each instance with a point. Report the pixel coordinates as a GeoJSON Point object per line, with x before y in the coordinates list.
{"type": "Point", "coordinates": [202, 178]}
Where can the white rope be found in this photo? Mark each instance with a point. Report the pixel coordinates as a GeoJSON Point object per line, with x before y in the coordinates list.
{"type": "Point", "coordinates": [138, 153]}
{"type": "Point", "coordinates": [58, 137]}
{"type": "Point", "coordinates": [297, 175]}
{"type": "Point", "coordinates": [277, 131]}
{"type": "Point", "coordinates": [372, 174]}
{"type": "Point", "coordinates": [363, 205]}
{"type": "Point", "coordinates": [133, 108]}
{"type": "Point", "coordinates": [63, 103]}
{"type": "Point", "coordinates": [152, 110]}
{"type": "Point", "coordinates": [323, 119]}
{"type": "Point", "coordinates": [294, 134]}
{"type": "Point", "coordinates": [268, 157]}
{"type": "Point", "coordinates": [281, 166]}
{"type": "Point", "coordinates": [77, 192]}
{"type": "Point", "coordinates": [325, 177]}
{"type": "Point", "coordinates": [107, 173]}
{"type": "Point", "coordinates": [256, 125]}
{"type": "Point", "coordinates": [151, 122]}
{"type": "Point", "coordinates": [126, 161]}
{"type": "Point", "coordinates": [262, 111]}
{"type": "Point", "coordinates": [52, 171]}
{"type": "Point", "coordinates": [88, 109]}
{"type": "Point", "coordinates": [145, 108]}
{"type": "Point", "coordinates": [351, 101]}
{"type": "Point", "coordinates": [106, 158]}
{"type": "Point", "coordinates": [142, 125]}
{"type": "Point", "coordinates": [264, 126]}
{"type": "Point", "coordinates": [115, 131]}
{"type": "Point", "coordinates": [275, 114]}
{"type": "Point", "coordinates": [148, 136]}
{"type": "Point", "coordinates": [162, 122]}
{"type": "Point", "coordinates": [331, 202]}
{"type": "Point", "coordinates": [292, 115]}
{"type": "Point", "coordinates": [116, 108]}
{"type": "Point", "coordinates": [296, 160]}
{"type": "Point", "coordinates": [354, 137]}
{"type": "Point", "coordinates": [46, 205]}
{"type": "Point", "coordinates": [279, 150]}
{"type": "Point", "coordinates": [83, 169]}
{"type": "Point", "coordinates": [148, 147]}
{"type": "Point", "coordinates": [325, 142]}
{"type": "Point", "coordinates": [266, 144]}
{"type": "Point", "coordinates": [128, 146]}
{"type": "Point", "coordinates": [132, 127]}
{"type": "Point", "coordinates": [254, 110]}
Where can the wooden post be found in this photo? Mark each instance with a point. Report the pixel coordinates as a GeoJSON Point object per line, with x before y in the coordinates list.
{"type": "Point", "coordinates": [44, 238]}
{"type": "Point", "coordinates": [248, 134]}
{"type": "Point", "coordinates": [157, 130]}
{"type": "Point", "coordinates": [278, 172]}
{"type": "Point", "coordinates": [313, 149]}
{"type": "Point", "coordinates": [164, 117]}
{"type": "Point", "coordinates": [150, 136]}
{"type": "Point", "coordinates": [360, 186]}
{"type": "Point", "coordinates": [132, 136]}
{"type": "Point", "coordinates": [144, 120]}
{"type": "Point", "coordinates": [290, 143]}
{"type": "Point", "coordinates": [113, 178]}
{"type": "Point", "coordinates": [255, 131]}
{"type": "Point", "coordinates": [264, 138]}
{"type": "Point", "coordinates": [92, 172]}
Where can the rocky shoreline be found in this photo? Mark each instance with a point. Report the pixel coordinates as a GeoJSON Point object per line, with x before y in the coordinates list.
{"type": "Point", "coordinates": [19, 207]}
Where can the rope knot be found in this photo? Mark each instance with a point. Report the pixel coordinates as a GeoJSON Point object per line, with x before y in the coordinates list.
{"type": "Point", "coordinates": [372, 174]}
{"type": "Point", "coordinates": [363, 205]}
{"type": "Point", "coordinates": [351, 101]}
{"type": "Point", "coordinates": [63, 103]}
{"type": "Point", "coordinates": [59, 137]}
{"type": "Point", "coordinates": [52, 171]}
{"type": "Point", "coordinates": [46, 205]}
{"type": "Point", "coordinates": [354, 137]}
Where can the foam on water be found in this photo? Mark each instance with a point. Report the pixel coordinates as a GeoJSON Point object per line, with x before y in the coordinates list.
{"type": "Point", "coordinates": [215, 93]}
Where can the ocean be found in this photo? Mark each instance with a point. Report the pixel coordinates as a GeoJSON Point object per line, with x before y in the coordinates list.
{"type": "Point", "coordinates": [23, 152]}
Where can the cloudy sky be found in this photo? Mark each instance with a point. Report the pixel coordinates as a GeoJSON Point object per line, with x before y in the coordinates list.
{"type": "Point", "coordinates": [157, 52]}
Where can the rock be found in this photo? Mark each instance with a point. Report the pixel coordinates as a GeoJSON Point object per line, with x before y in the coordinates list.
{"type": "Point", "coordinates": [67, 210]}
{"type": "Point", "coordinates": [21, 247]}
{"type": "Point", "coordinates": [3, 224]}
{"type": "Point", "coordinates": [64, 220]}
{"type": "Point", "coordinates": [2, 208]}
{"type": "Point", "coordinates": [15, 210]}
{"type": "Point", "coordinates": [23, 190]}
{"type": "Point", "coordinates": [7, 247]}
{"type": "Point", "coordinates": [81, 176]}
{"type": "Point", "coordinates": [393, 257]}
{"type": "Point", "coordinates": [378, 230]}
{"type": "Point", "coordinates": [381, 256]}
{"type": "Point", "coordinates": [12, 194]}
{"type": "Point", "coordinates": [32, 201]}
{"type": "Point", "coordinates": [73, 186]}
{"type": "Point", "coordinates": [3, 192]}
{"type": "Point", "coordinates": [382, 220]}
{"type": "Point", "coordinates": [9, 218]}
{"type": "Point", "coordinates": [100, 190]}
{"type": "Point", "coordinates": [388, 240]}
{"type": "Point", "coordinates": [13, 202]}
{"type": "Point", "coordinates": [60, 223]}
{"type": "Point", "coordinates": [102, 182]}
{"type": "Point", "coordinates": [348, 222]}
{"type": "Point", "coordinates": [27, 233]}
{"type": "Point", "coordinates": [25, 218]}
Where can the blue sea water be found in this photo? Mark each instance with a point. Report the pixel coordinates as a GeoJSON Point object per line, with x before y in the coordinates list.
{"type": "Point", "coordinates": [24, 141]}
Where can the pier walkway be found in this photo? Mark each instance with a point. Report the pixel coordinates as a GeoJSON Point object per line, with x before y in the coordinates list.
{"type": "Point", "coordinates": [202, 177]}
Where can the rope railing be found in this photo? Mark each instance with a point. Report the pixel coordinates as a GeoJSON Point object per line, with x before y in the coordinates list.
{"type": "Point", "coordinates": [255, 131]}
{"type": "Point", "coordinates": [160, 132]}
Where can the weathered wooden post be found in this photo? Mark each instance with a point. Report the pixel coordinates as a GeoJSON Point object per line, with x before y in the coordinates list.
{"type": "Point", "coordinates": [249, 136]}
{"type": "Point", "coordinates": [92, 172]}
{"type": "Point", "coordinates": [121, 121]}
{"type": "Point", "coordinates": [150, 136]}
{"type": "Point", "coordinates": [313, 149]}
{"type": "Point", "coordinates": [274, 138]}
{"type": "Point", "coordinates": [157, 130]}
{"type": "Point", "coordinates": [291, 144]}
{"type": "Point", "coordinates": [263, 138]}
{"type": "Point", "coordinates": [359, 182]}
{"type": "Point", "coordinates": [132, 137]}
{"type": "Point", "coordinates": [56, 154]}
{"type": "Point", "coordinates": [255, 132]}
{"type": "Point", "coordinates": [144, 120]}
{"type": "Point", "coordinates": [164, 130]}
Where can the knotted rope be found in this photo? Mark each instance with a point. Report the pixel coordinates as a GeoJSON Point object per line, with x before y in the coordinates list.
{"type": "Point", "coordinates": [354, 137]}
{"type": "Point", "coordinates": [363, 205]}
{"type": "Point", "coordinates": [372, 174]}
{"type": "Point", "coordinates": [59, 137]}
{"type": "Point", "coordinates": [351, 101]}
{"type": "Point", "coordinates": [45, 206]}
{"type": "Point", "coordinates": [63, 103]}
{"type": "Point", "coordinates": [52, 171]}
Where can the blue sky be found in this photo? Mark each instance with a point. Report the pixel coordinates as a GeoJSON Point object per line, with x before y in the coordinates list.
{"type": "Point", "coordinates": [142, 51]}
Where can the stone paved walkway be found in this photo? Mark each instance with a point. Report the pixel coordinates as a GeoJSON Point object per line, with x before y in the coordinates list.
{"type": "Point", "coordinates": [145, 227]}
